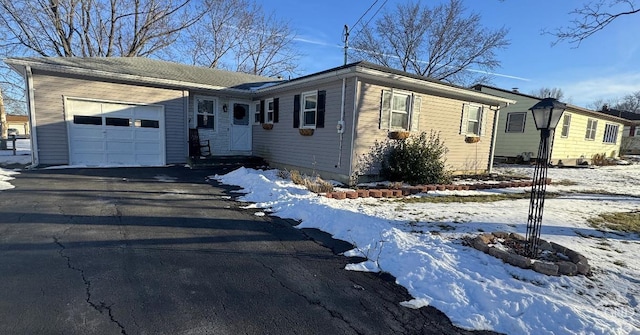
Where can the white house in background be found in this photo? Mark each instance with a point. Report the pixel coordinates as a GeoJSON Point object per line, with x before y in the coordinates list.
{"type": "Point", "coordinates": [138, 112]}
{"type": "Point", "coordinates": [580, 135]}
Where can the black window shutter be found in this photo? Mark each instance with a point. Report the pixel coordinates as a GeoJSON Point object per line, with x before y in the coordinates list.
{"type": "Point", "coordinates": [276, 109]}
{"type": "Point", "coordinates": [296, 111]}
{"type": "Point", "coordinates": [261, 111]}
{"type": "Point", "coordinates": [322, 97]}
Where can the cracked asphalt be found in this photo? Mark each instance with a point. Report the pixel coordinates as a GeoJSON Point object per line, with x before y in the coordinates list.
{"type": "Point", "coordinates": [164, 251]}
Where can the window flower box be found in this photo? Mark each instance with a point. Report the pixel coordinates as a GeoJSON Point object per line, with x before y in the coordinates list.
{"type": "Point", "coordinates": [306, 131]}
{"type": "Point", "coordinates": [267, 126]}
{"type": "Point", "coordinates": [398, 135]}
{"type": "Point", "coordinates": [472, 139]}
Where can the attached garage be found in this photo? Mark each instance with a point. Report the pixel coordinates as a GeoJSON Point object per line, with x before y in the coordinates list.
{"type": "Point", "coordinates": [115, 133]}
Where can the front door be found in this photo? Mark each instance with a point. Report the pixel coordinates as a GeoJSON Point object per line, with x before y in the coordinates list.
{"type": "Point", "coordinates": [240, 126]}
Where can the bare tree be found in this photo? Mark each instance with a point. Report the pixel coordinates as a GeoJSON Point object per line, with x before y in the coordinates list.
{"type": "Point", "coordinates": [441, 42]}
{"type": "Point", "coordinates": [630, 103]}
{"type": "Point", "coordinates": [86, 28]}
{"type": "Point", "coordinates": [591, 18]}
{"type": "Point", "coordinates": [237, 35]}
{"type": "Point", "coordinates": [547, 92]}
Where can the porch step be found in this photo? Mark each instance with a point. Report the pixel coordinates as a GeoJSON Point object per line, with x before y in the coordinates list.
{"type": "Point", "coordinates": [227, 162]}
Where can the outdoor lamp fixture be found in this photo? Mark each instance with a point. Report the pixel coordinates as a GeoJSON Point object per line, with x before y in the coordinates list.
{"type": "Point", "coordinates": [546, 115]}
{"type": "Point", "coordinates": [225, 108]}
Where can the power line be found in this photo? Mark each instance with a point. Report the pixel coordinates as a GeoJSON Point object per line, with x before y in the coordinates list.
{"type": "Point", "coordinates": [365, 13]}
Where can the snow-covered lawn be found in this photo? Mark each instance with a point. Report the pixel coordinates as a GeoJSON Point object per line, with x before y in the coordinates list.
{"type": "Point", "coordinates": [421, 245]}
{"type": "Point", "coordinates": [22, 157]}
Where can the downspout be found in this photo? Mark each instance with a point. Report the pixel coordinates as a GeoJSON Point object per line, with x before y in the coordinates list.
{"type": "Point", "coordinates": [353, 124]}
{"type": "Point", "coordinates": [341, 122]}
{"type": "Point", "coordinates": [35, 157]}
{"type": "Point", "coordinates": [493, 137]}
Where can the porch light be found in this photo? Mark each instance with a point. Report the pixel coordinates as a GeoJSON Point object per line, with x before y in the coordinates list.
{"type": "Point", "coordinates": [546, 115]}
{"type": "Point", "coordinates": [225, 108]}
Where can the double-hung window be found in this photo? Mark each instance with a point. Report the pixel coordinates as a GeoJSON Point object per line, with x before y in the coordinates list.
{"type": "Point", "coordinates": [205, 112]}
{"type": "Point", "coordinates": [592, 126]}
{"type": "Point", "coordinates": [256, 115]}
{"type": "Point", "coordinates": [309, 109]}
{"type": "Point", "coordinates": [610, 133]}
{"type": "Point", "coordinates": [566, 122]}
{"type": "Point", "coordinates": [399, 110]}
{"type": "Point", "coordinates": [269, 110]}
{"type": "Point", "coordinates": [515, 122]}
{"type": "Point", "coordinates": [472, 120]}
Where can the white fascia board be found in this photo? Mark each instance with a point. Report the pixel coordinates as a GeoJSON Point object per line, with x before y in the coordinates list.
{"type": "Point", "coordinates": [337, 74]}
{"type": "Point", "coordinates": [118, 76]}
{"type": "Point", "coordinates": [436, 87]}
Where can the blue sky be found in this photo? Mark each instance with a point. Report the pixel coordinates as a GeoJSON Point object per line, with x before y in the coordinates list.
{"type": "Point", "coordinates": [605, 66]}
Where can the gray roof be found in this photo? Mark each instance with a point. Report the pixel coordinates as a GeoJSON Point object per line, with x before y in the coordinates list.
{"type": "Point", "coordinates": [163, 71]}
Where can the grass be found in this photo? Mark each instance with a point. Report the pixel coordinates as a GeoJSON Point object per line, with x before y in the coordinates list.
{"type": "Point", "coordinates": [627, 222]}
{"type": "Point", "coordinates": [564, 182]}
{"type": "Point", "coordinates": [471, 198]}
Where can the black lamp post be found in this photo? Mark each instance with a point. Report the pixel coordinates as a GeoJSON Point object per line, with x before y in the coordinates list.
{"type": "Point", "coordinates": [546, 115]}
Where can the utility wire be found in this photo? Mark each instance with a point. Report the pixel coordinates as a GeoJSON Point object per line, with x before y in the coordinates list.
{"type": "Point", "coordinates": [365, 13]}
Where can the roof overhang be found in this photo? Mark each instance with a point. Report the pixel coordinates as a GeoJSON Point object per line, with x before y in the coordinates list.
{"type": "Point", "coordinates": [393, 79]}
{"type": "Point", "coordinates": [19, 66]}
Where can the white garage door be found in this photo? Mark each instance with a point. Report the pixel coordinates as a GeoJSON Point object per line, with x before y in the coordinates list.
{"type": "Point", "coordinates": [115, 134]}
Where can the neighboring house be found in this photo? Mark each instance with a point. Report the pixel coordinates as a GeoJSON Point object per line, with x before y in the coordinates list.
{"type": "Point", "coordinates": [20, 123]}
{"type": "Point", "coordinates": [631, 134]}
{"type": "Point", "coordinates": [135, 111]}
{"type": "Point", "coordinates": [580, 135]}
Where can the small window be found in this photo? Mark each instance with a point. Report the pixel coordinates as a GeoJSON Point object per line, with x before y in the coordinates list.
{"type": "Point", "coordinates": [474, 118]}
{"type": "Point", "coordinates": [309, 102]}
{"type": "Point", "coordinates": [637, 131]}
{"type": "Point", "coordinates": [117, 122]}
{"type": "Point", "coordinates": [270, 108]}
{"type": "Point", "coordinates": [592, 125]}
{"type": "Point", "coordinates": [92, 120]}
{"type": "Point", "coordinates": [566, 122]}
{"type": "Point", "coordinates": [610, 134]}
{"type": "Point", "coordinates": [400, 104]}
{"type": "Point", "coordinates": [515, 122]}
{"type": "Point", "coordinates": [148, 123]}
{"type": "Point", "coordinates": [256, 115]}
{"type": "Point", "coordinates": [399, 110]}
{"type": "Point", "coordinates": [205, 113]}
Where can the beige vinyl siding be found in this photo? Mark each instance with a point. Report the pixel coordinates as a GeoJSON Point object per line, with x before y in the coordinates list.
{"type": "Point", "coordinates": [443, 115]}
{"type": "Point", "coordinates": [577, 147]}
{"type": "Point", "coordinates": [321, 153]}
{"type": "Point", "coordinates": [49, 90]}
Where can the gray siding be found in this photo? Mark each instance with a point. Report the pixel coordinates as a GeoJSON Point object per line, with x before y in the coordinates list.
{"type": "Point", "coordinates": [50, 90]}
{"type": "Point", "coordinates": [220, 137]}
{"type": "Point", "coordinates": [326, 152]}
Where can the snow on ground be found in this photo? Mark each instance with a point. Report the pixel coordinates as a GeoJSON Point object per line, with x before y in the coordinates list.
{"type": "Point", "coordinates": [420, 244]}
{"type": "Point", "coordinates": [23, 156]}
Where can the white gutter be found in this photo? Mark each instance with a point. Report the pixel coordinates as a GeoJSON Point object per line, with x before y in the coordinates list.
{"type": "Point", "coordinates": [436, 87]}
{"type": "Point", "coordinates": [35, 157]}
{"type": "Point", "coordinates": [311, 78]}
{"type": "Point", "coordinates": [353, 124]}
{"type": "Point", "coordinates": [341, 122]}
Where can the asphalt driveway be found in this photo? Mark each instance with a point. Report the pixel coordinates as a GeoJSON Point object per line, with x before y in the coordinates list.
{"type": "Point", "coordinates": [164, 251]}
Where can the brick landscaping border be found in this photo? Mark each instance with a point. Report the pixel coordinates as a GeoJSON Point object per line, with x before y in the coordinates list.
{"type": "Point", "coordinates": [412, 190]}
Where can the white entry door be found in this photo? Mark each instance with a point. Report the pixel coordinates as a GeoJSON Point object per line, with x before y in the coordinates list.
{"type": "Point", "coordinates": [240, 126]}
{"type": "Point", "coordinates": [115, 134]}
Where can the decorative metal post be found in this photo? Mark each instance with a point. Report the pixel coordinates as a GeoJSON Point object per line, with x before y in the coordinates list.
{"type": "Point", "coordinates": [546, 115]}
